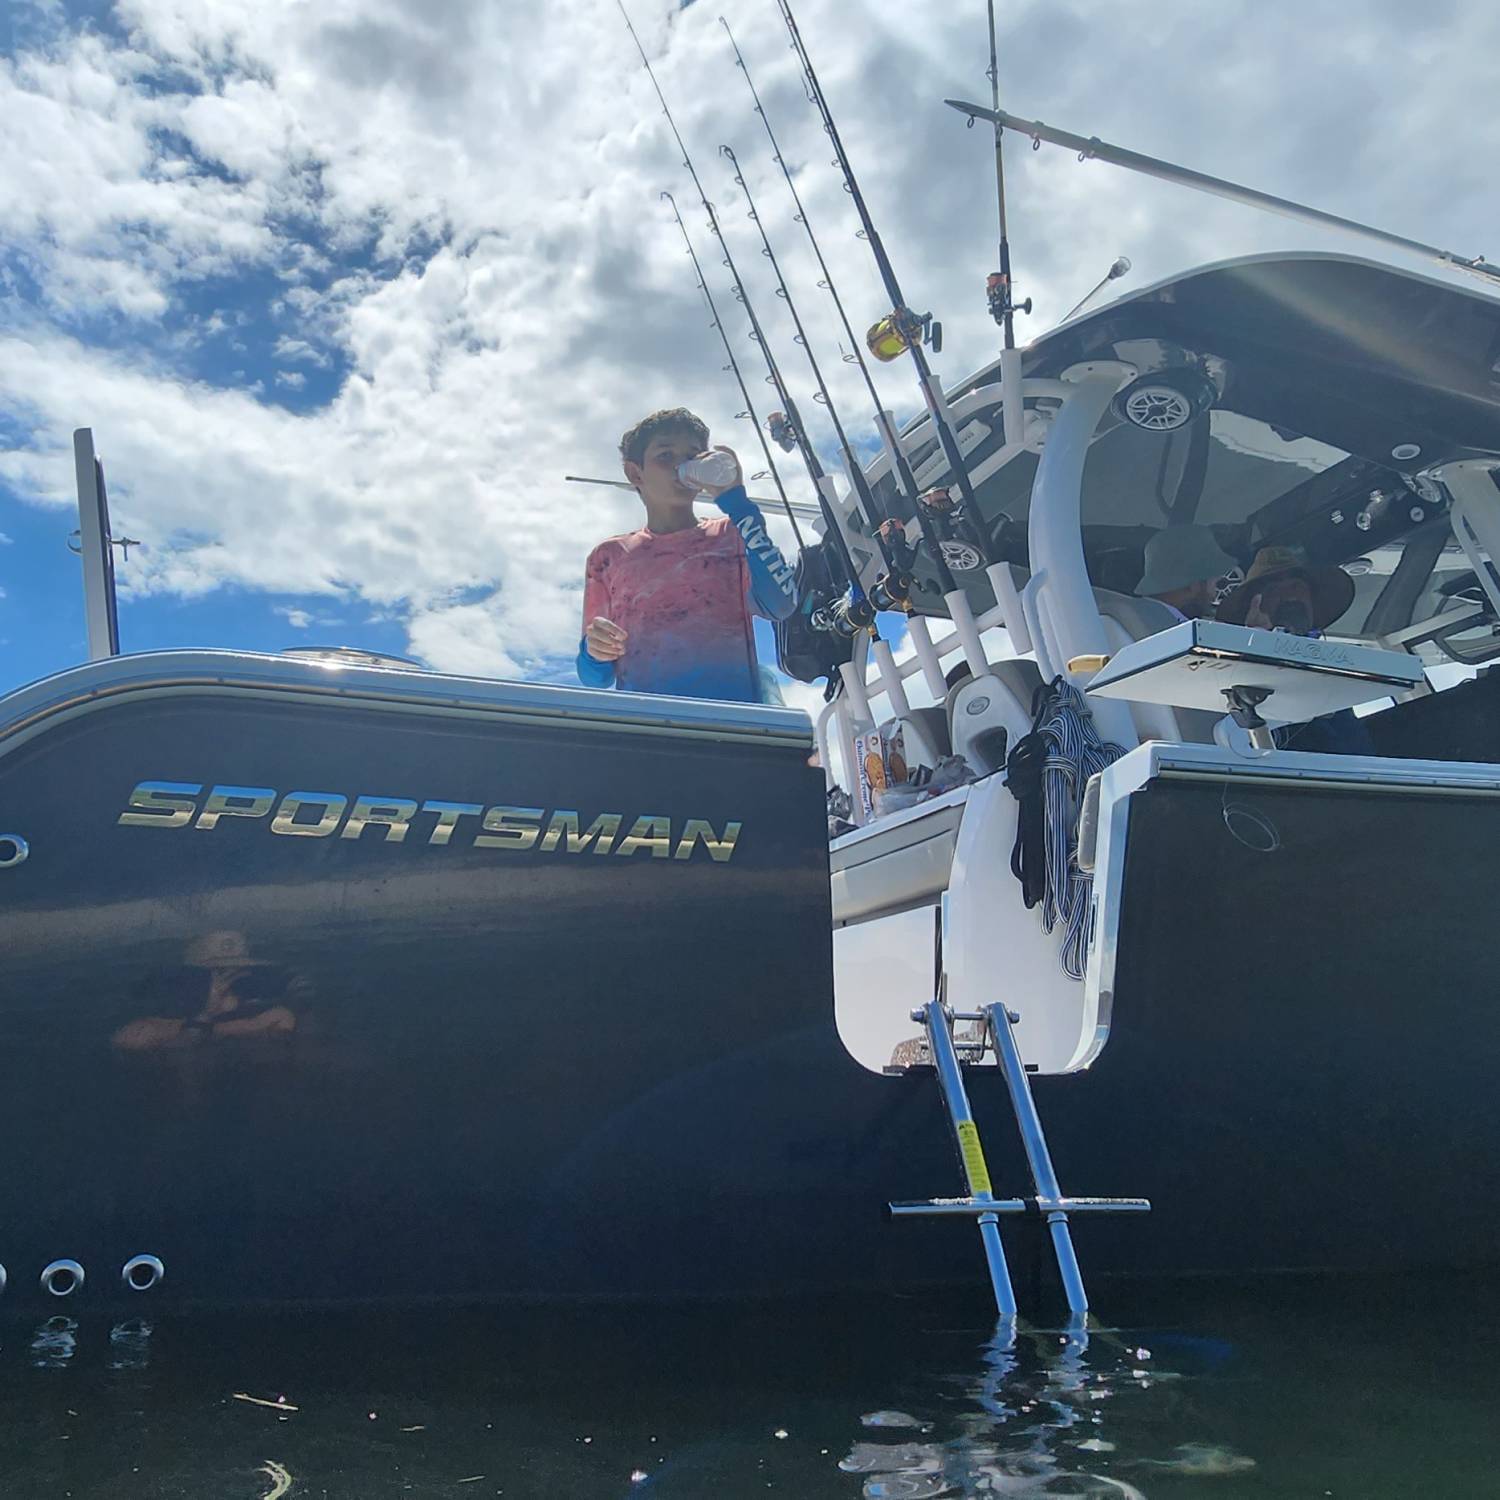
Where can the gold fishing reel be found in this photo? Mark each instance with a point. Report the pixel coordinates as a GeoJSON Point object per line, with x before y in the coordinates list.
{"type": "Point", "coordinates": [897, 332]}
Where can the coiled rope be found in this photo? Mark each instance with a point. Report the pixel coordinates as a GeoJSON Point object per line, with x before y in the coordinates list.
{"type": "Point", "coordinates": [1047, 772]}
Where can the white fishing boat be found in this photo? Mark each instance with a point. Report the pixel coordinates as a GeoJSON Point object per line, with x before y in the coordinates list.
{"type": "Point", "coordinates": [332, 978]}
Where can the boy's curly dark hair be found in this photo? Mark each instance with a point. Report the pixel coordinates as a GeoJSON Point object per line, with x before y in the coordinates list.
{"type": "Point", "coordinates": [670, 419]}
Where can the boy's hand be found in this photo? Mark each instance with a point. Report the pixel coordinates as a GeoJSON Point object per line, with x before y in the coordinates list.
{"type": "Point", "coordinates": [715, 490]}
{"type": "Point", "coordinates": [1255, 617]}
{"type": "Point", "coordinates": [604, 640]}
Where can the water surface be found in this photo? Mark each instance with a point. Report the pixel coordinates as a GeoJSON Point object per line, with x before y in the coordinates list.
{"type": "Point", "coordinates": [1350, 1388]}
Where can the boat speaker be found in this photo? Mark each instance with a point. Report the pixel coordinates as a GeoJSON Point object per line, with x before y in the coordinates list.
{"type": "Point", "coordinates": [1166, 400]}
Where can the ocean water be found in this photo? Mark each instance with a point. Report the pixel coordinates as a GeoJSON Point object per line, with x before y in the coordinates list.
{"type": "Point", "coordinates": [1351, 1388]}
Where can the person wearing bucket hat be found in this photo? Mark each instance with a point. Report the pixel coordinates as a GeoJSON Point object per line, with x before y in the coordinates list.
{"type": "Point", "coordinates": [219, 990]}
{"type": "Point", "coordinates": [1282, 591]}
{"type": "Point", "coordinates": [1184, 568]}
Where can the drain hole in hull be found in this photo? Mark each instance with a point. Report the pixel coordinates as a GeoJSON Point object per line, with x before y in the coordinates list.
{"type": "Point", "coordinates": [62, 1278]}
{"type": "Point", "coordinates": [142, 1272]}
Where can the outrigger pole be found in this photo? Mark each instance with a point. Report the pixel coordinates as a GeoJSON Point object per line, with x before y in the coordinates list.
{"type": "Point", "coordinates": [1166, 171]}
{"type": "Point", "coordinates": [734, 367]}
{"type": "Point", "coordinates": [903, 329]}
{"type": "Point", "coordinates": [905, 479]}
{"type": "Point", "coordinates": [856, 610]}
{"type": "Point", "coordinates": [893, 590]}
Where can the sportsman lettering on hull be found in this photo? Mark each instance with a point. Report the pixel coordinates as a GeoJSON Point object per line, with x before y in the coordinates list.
{"type": "Point", "coordinates": [321, 815]}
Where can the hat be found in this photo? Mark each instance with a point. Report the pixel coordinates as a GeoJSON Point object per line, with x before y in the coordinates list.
{"type": "Point", "coordinates": [1181, 556]}
{"type": "Point", "coordinates": [1332, 589]}
{"type": "Point", "coordinates": [220, 950]}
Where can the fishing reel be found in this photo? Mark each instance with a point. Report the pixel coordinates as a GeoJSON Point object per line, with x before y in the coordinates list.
{"type": "Point", "coordinates": [901, 330]}
{"type": "Point", "coordinates": [1000, 291]}
{"type": "Point", "coordinates": [845, 616]}
{"type": "Point", "coordinates": [946, 513]}
{"type": "Point", "coordinates": [892, 590]}
{"type": "Point", "coordinates": [809, 643]}
{"type": "Point", "coordinates": [782, 431]}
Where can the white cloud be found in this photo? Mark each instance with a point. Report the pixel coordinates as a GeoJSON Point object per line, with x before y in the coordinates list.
{"type": "Point", "coordinates": [293, 378]}
{"type": "Point", "coordinates": [512, 294]}
{"type": "Point", "coordinates": [290, 348]}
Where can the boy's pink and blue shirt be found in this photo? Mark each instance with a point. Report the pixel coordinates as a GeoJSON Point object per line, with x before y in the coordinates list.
{"type": "Point", "coordinates": [685, 599]}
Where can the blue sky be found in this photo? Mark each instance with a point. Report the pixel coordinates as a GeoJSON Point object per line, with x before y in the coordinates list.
{"type": "Point", "coordinates": [345, 290]}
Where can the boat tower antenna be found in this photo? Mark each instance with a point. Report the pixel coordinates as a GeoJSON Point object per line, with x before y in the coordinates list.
{"type": "Point", "coordinates": [998, 286]}
{"type": "Point", "coordinates": [1119, 268]}
{"type": "Point", "coordinates": [893, 589]}
{"type": "Point", "coordinates": [903, 330]}
{"type": "Point", "coordinates": [854, 611]}
{"type": "Point", "coordinates": [905, 479]}
{"type": "Point", "coordinates": [734, 367]}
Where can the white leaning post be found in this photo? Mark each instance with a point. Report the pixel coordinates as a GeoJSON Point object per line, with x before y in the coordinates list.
{"type": "Point", "coordinates": [94, 547]}
{"type": "Point", "coordinates": [1065, 599]}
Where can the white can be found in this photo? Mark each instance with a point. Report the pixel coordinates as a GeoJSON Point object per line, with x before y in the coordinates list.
{"type": "Point", "coordinates": [717, 470]}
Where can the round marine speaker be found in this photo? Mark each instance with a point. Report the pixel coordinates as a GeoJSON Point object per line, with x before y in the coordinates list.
{"type": "Point", "coordinates": [1166, 400]}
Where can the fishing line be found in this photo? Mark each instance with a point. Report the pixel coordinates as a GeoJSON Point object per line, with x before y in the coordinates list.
{"type": "Point", "coordinates": [857, 610]}
{"type": "Point", "coordinates": [894, 588]}
{"type": "Point", "coordinates": [901, 329]}
{"type": "Point", "coordinates": [734, 366]}
{"type": "Point", "coordinates": [905, 480]}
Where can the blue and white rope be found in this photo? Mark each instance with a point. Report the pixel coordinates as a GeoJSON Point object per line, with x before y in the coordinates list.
{"type": "Point", "coordinates": [1074, 753]}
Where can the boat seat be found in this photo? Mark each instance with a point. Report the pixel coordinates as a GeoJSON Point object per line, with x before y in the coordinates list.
{"type": "Point", "coordinates": [925, 735]}
{"type": "Point", "coordinates": [1129, 618]}
{"type": "Point", "coordinates": [988, 714]}
{"type": "Point", "coordinates": [1136, 617]}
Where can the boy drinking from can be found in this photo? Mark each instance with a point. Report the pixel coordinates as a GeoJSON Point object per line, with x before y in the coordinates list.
{"type": "Point", "coordinates": [667, 608]}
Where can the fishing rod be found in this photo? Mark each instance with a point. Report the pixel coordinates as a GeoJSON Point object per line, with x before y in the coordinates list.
{"type": "Point", "coordinates": [902, 329]}
{"type": "Point", "coordinates": [893, 589]}
{"type": "Point", "coordinates": [998, 287]}
{"type": "Point", "coordinates": [856, 608]}
{"type": "Point", "coordinates": [905, 480]}
{"type": "Point", "coordinates": [734, 366]}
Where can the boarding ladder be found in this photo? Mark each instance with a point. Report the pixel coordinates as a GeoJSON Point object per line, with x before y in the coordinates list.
{"type": "Point", "coordinates": [998, 1036]}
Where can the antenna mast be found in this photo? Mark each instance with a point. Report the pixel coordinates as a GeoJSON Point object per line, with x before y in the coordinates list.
{"type": "Point", "coordinates": [902, 329]}
{"type": "Point", "coordinates": [734, 366]}
{"type": "Point", "coordinates": [905, 479]}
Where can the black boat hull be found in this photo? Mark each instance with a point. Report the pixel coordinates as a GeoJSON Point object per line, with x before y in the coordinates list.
{"type": "Point", "coordinates": [519, 1072]}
